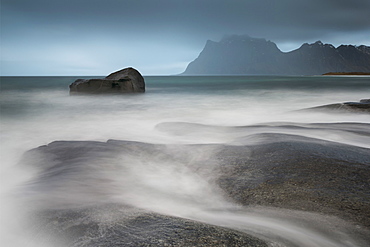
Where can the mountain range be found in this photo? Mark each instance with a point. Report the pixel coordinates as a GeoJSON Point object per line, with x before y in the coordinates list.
{"type": "Point", "coordinates": [244, 55]}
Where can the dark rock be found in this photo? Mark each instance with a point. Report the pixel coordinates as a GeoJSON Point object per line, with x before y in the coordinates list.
{"type": "Point", "coordinates": [135, 227]}
{"type": "Point", "coordinates": [363, 106]}
{"type": "Point", "coordinates": [274, 169]}
{"type": "Point", "coordinates": [127, 80]}
{"type": "Point", "coordinates": [299, 173]}
{"type": "Point", "coordinates": [265, 169]}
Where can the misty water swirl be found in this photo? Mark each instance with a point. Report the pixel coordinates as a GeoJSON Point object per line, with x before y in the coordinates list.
{"type": "Point", "coordinates": [196, 160]}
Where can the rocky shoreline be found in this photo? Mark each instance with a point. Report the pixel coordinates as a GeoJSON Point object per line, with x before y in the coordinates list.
{"type": "Point", "coordinates": [347, 73]}
{"type": "Point", "coordinates": [274, 170]}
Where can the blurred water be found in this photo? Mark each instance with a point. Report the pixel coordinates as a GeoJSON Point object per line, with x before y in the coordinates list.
{"type": "Point", "coordinates": [38, 110]}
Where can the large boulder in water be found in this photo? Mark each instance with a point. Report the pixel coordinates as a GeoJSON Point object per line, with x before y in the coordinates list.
{"type": "Point", "coordinates": [127, 80]}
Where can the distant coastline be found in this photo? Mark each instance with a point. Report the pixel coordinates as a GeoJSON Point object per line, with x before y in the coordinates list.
{"type": "Point", "coordinates": [347, 73]}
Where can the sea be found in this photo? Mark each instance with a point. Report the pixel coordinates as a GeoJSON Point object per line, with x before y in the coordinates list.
{"type": "Point", "coordinates": [36, 111]}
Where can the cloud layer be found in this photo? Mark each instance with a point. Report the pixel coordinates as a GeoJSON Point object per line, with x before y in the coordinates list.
{"type": "Point", "coordinates": [160, 37]}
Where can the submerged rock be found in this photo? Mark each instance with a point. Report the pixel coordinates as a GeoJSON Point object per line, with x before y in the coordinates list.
{"type": "Point", "coordinates": [127, 80]}
{"type": "Point", "coordinates": [363, 106]}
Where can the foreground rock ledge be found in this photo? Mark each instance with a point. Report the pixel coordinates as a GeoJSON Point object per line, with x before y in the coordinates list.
{"type": "Point", "coordinates": [127, 80]}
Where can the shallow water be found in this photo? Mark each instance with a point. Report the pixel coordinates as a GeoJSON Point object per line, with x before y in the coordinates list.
{"type": "Point", "coordinates": [38, 110]}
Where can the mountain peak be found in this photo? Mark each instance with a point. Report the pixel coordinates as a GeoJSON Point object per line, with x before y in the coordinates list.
{"type": "Point", "coordinates": [242, 39]}
{"type": "Point", "coordinates": [242, 54]}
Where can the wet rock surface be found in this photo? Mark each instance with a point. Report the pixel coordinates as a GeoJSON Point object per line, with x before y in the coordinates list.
{"type": "Point", "coordinates": [299, 173]}
{"type": "Point", "coordinates": [92, 193]}
{"type": "Point", "coordinates": [363, 106]}
{"type": "Point", "coordinates": [127, 226]}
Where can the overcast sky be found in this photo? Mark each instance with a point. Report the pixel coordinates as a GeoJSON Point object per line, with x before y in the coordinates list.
{"type": "Point", "coordinates": [160, 37]}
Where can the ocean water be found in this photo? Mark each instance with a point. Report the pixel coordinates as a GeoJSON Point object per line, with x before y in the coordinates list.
{"type": "Point", "coordinates": [39, 110]}
{"type": "Point", "coordinates": [36, 111]}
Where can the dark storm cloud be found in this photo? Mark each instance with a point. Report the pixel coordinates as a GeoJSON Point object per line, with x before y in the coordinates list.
{"type": "Point", "coordinates": [199, 14]}
{"type": "Point", "coordinates": [181, 24]}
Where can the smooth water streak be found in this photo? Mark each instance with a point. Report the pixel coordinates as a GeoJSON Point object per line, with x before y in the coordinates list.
{"type": "Point", "coordinates": [34, 116]}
